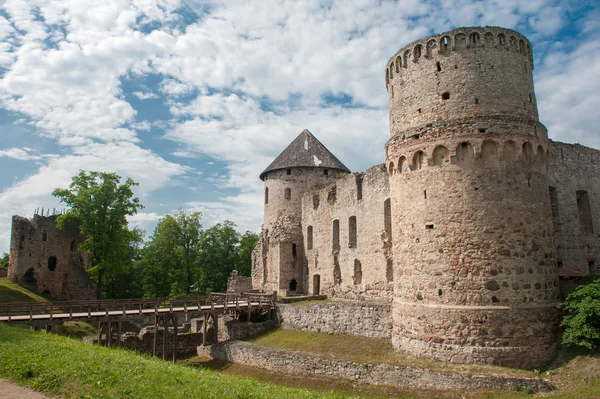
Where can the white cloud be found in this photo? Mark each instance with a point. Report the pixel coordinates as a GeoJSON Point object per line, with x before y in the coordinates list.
{"type": "Point", "coordinates": [21, 154]}
{"type": "Point", "coordinates": [145, 96]}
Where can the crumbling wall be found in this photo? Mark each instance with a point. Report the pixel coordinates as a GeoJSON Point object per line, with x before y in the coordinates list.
{"type": "Point", "coordinates": [239, 283]}
{"type": "Point", "coordinates": [47, 259]}
{"type": "Point", "coordinates": [349, 258]}
{"type": "Point", "coordinates": [574, 170]}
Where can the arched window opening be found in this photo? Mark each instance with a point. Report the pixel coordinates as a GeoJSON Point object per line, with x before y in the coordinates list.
{"type": "Point", "coordinates": [431, 45]}
{"type": "Point", "coordinates": [398, 63]}
{"type": "Point", "coordinates": [501, 39]}
{"type": "Point", "coordinates": [352, 232]}
{"type": "Point", "coordinates": [266, 195]}
{"type": "Point", "coordinates": [418, 158]}
{"type": "Point", "coordinates": [389, 271]}
{"type": "Point", "coordinates": [527, 152]}
{"type": "Point", "coordinates": [513, 43]}
{"type": "Point", "coordinates": [387, 76]}
{"type": "Point", "coordinates": [288, 193]}
{"type": "Point", "coordinates": [73, 246]}
{"type": "Point", "coordinates": [418, 50]}
{"type": "Point", "coordinates": [44, 236]}
{"type": "Point", "coordinates": [387, 218]}
{"type": "Point", "coordinates": [489, 150]}
{"type": "Point", "coordinates": [475, 39]}
{"type": "Point", "coordinates": [357, 278]}
{"type": "Point", "coordinates": [293, 285]}
{"type": "Point", "coordinates": [392, 71]}
{"type": "Point", "coordinates": [522, 46]}
{"type": "Point", "coordinates": [489, 38]}
{"type": "Point", "coordinates": [309, 237]}
{"type": "Point", "coordinates": [555, 209]}
{"type": "Point", "coordinates": [510, 151]}
{"type": "Point", "coordinates": [336, 235]}
{"type": "Point", "coordinates": [401, 164]}
{"type": "Point", "coordinates": [460, 40]}
{"type": "Point", "coordinates": [316, 201]}
{"type": "Point", "coordinates": [585, 212]}
{"type": "Point", "coordinates": [52, 263]}
{"type": "Point", "coordinates": [444, 43]}
{"type": "Point", "coordinates": [445, 95]}
{"type": "Point", "coordinates": [406, 57]}
{"type": "Point", "coordinates": [465, 152]}
{"type": "Point", "coordinates": [440, 155]}
{"type": "Point", "coordinates": [391, 169]}
{"type": "Point", "coordinates": [294, 251]}
{"type": "Point", "coordinates": [21, 241]}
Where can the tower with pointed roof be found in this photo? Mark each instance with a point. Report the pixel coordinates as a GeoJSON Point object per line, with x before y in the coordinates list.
{"type": "Point", "coordinates": [278, 259]}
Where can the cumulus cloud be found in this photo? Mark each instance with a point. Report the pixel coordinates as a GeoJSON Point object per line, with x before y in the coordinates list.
{"type": "Point", "coordinates": [145, 95]}
{"type": "Point", "coordinates": [21, 154]}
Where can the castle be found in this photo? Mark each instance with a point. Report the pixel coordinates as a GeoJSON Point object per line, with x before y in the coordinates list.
{"type": "Point", "coordinates": [48, 260]}
{"type": "Point", "coordinates": [469, 225]}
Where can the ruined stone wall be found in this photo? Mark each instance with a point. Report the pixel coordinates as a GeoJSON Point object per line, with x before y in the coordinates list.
{"type": "Point", "coordinates": [47, 260]}
{"type": "Point", "coordinates": [351, 260]}
{"type": "Point", "coordinates": [239, 283]}
{"type": "Point", "coordinates": [366, 319]}
{"type": "Point", "coordinates": [575, 170]}
{"type": "Point", "coordinates": [462, 73]}
{"type": "Point", "coordinates": [279, 255]}
{"type": "Point", "coordinates": [473, 242]}
{"type": "Point", "coordinates": [297, 362]}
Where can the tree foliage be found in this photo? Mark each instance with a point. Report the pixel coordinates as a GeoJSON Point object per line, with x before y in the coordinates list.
{"type": "Point", "coordinates": [4, 260]}
{"type": "Point", "coordinates": [248, 241]}
{"type": "Point", "coordinates": [218, 256]}
{"type": "Point", "coordinates": [100, 204]}
{"type": "Point", "coordinates": [581, 315]}
{"type": "Point", "coordinates": [169, 259]}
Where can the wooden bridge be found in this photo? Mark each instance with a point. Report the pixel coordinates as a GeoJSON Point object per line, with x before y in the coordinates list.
{"type": "Point", "coordinates": [110, 313]}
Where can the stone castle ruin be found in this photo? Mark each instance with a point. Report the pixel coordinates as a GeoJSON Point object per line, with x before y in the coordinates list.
{"type": "Point", "coordinates": [47, 259]}
{"type": "Point", "coordinates": [465, 229]}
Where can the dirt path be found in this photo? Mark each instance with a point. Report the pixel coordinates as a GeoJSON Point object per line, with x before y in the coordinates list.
{"type": "Point", "coordinates": [8, 390]}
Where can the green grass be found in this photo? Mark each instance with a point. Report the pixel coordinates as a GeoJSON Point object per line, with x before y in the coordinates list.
{"type": "Point", "coordinates": [310, 302]}
{"type": "Point", "coordinates": [11, 292]}
{"type": "Point", "coordinates": [70, 368]}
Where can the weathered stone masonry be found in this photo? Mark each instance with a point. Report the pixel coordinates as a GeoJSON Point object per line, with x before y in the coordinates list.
{"type": "Point", "coordinates": [466, 226]}
{"type": "Point", "coordinates": [47, 259]}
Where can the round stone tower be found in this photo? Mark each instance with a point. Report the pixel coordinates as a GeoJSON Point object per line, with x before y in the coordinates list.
{"type": "Point", "coordinates": [468, 168]}
{"type": "Point", "coordinates": [278, 259]}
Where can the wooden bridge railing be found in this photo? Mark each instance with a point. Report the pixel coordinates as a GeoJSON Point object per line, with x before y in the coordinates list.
{"type": "Point", "coordinates": [111, 306]}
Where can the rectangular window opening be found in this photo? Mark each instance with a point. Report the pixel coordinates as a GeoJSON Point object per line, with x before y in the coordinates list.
{"type": "Point", "coordinates": [387, 218]}
{"type": "Point", "coordinates": [309, 237]}
{"type": "Point", "coordinates": [429, 226]}
{"type": "Point", "coordinates": [585, 212]}
{"type": "Point", "coordinates": [352, 232]}
{"type": "Point", "coordinates": [336, 235]}
{"type": "Point", "coordinates": [554, 208]}
{"type": "Point", "coordinates": [592, 267]}
{"type": "Point", "coordinates": [294, 251]}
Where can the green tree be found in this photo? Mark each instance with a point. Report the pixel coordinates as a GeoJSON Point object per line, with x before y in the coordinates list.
{"type": "Point", "coordinates": [169, 259]}
{"type": "Point", "coordinates": [100, 204]}
{"type": "Point", "coordinates": [248, 241]}
{"type": "Point", "coordinates": [127, 283]}
{"type": "Point", "coordinates": [218, 256]}
{"type": "Point", "coordinates": [581, 315]}
{"type": "Point", "coordinates": [4, 260]}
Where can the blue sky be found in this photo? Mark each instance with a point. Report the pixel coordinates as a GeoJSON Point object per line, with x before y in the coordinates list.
{"type": "Point", "coordinates": [194, 99]}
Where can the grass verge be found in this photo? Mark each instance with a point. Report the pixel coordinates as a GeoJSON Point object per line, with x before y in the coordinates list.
{"type": "Point", "coordinates": [70, 368]}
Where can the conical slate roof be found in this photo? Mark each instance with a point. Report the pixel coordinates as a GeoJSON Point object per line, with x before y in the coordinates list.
{"type": "Point", "coordinates": [306, 152]}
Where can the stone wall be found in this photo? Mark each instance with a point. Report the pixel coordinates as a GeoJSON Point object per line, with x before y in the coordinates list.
{"type": "Point", "coordinates": [3, 272]}
{"type": "Point", "coordinates": [295, 362]}
{"type": "Point", "coordinates": [239, 283]}
{"type": "Point", "coordinates": [47, 259]}
{"type": "Point", "coordinates": [457, 74]}
{"type": "Point", "coordinates": [144, 342]}
{"type": "Point", "coordinates": [351, 318]}
{"type": "Point", "coordinates": [574, 170]}
{"type": "Point", "coordinates": [346, 242]}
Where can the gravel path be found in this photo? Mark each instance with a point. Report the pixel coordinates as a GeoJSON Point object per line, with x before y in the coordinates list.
{"type": "Point", "coordinates": [8, 390]}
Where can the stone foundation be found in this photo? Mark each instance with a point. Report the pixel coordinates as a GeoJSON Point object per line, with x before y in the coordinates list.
{"type": "Point", "coordinates": [295, 362]}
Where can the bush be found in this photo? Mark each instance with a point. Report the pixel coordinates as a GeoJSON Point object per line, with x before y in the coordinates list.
{"type": "Point", "coordinates": [581, 315]}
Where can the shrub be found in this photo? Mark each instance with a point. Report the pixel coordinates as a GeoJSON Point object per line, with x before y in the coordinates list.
{"type": "Point", "coordinates": [581, 315]}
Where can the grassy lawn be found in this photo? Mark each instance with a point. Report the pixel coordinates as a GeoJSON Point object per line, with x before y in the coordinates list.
{"type": "Point", "coordinates": [70, 368]}
{"type": "Point", "coordinates": [11, 292]}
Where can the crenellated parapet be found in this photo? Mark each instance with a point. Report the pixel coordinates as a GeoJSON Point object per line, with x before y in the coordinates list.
{"type": "Point", "coordinates": [462, 73]}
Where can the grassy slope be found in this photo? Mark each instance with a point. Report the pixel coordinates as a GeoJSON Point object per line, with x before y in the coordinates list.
{"type": "Point", "coordinates": [11, 292]}
{"type": "Point", "coordinates": [66, 367]}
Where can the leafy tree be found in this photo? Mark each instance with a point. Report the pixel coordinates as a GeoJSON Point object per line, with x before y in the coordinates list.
{"type": "Point", "coordinates": [128, 282]}
{"type": "Point", "coordinates": [218, 256]}
{"type": "Point", "coordinates": [4, 260]}
{"type": "Point", "coordinates": [100, 204]}
{"type": "Point", "coordinates": [581, 315]}
{"type": "Point", "coordinates": [169, 259]}
{"type": "Point", "coordinates": [247, 243]}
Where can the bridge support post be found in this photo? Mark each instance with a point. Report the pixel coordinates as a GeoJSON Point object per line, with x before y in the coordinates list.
{"type": "Point", "coordinates": [165, 336]}
{"type": "Point", "coordinates": [204, 329]}
{"type": "Point", "coordinates": [155, 343]}
{"type": "Point", "coordinates": [216, 328]}
{"type": "Point", "coordinates": [108, 333]}
{"type": "Point", "coordinates": [174, 317]}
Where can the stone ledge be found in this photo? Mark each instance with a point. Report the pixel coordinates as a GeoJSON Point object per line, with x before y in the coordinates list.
{"type": "Point", "coordinates": [296, 362]}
